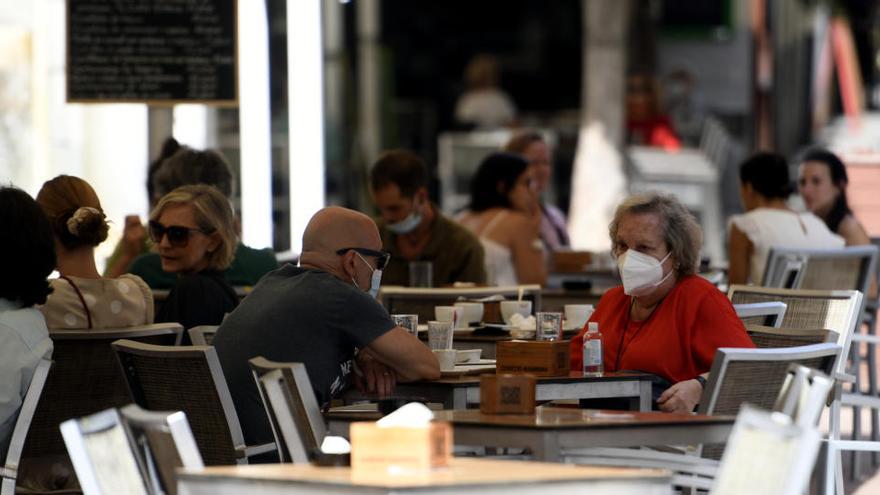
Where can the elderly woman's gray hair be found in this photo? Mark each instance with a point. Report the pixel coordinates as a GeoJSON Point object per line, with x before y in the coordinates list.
{"type": "Point", "coordinates": [681, 232]}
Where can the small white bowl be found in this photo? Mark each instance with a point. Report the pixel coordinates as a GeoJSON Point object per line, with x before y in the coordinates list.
{"type": "Point", "coordinates": [468, 355]}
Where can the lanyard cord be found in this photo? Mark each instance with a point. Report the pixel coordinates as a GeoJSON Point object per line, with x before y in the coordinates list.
{"type": "Point", "coordinates": [81, 300]}
{"type": "Point", "coordinates": [620, 347]}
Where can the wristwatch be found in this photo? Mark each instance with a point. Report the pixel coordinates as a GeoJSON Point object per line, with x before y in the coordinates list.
{"type": "Point", "coordinates": [702, 380]}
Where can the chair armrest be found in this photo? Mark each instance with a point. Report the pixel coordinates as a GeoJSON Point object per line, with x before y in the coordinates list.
{"type": "Point", "coordinates": [8, 473]}
{"type": "Point", "coordinates": [860, 400]}
{"type": "Point", "coordinates": [252, 450]}
{"type": "Point", "coordinates": [844, 377]}
{"type": "Point", "coordinates": [863, 337]}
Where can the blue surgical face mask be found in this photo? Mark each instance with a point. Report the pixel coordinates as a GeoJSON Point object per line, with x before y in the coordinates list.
{"type": "Point", "coordinates": [375, 280]}
{"type": "Point", "coordinates": [408, 224]}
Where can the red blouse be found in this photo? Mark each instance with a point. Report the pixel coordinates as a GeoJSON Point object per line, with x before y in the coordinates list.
{"type": "Point", "coordinates": [677, 342]}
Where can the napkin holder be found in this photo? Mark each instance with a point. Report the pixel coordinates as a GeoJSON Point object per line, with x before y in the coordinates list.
{"type": "Point", "coordinates": [539, 358]}
{"type": "Point", "coordinates": [507, 394]}
{"type": "Point", "coordinates": [400, 448]}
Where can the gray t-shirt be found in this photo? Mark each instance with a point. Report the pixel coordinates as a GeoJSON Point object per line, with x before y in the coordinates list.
{"type": "Point", "coordinates": [296, 315]}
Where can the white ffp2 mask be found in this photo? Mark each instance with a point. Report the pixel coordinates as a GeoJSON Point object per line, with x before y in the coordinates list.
{"type": "Point", "coordinates": [640, 272]}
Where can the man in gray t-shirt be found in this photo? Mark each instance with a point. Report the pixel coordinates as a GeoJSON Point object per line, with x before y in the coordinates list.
{"type": "Point", "coordinates": [318, 314]}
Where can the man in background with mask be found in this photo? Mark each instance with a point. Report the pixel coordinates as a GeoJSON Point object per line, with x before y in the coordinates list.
{"type": "Point", "coordinates": [412, 229]}
{"type": "Point", "coordinates": [317, 314]}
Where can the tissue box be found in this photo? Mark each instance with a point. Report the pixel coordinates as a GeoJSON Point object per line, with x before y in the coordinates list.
{"type": "Point", "coordinates": [507, 394]}
{"type": "Point", "coordinates": [533, 357]}
{"type": "Point", "coordinates": [400, 448]}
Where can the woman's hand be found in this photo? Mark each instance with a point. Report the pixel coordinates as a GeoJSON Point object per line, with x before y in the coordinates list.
{"type": "Point", "coordinates": [682, 397]}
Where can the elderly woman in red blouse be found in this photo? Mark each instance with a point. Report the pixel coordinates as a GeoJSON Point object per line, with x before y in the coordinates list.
{"type": "Point", "coordinates": [665, 319]}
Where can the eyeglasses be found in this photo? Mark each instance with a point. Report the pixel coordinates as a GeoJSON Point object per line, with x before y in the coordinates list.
{"type": "Point", "coordinates": [178, 236]}
{"type": "Point", "coordinates": [381, 256]}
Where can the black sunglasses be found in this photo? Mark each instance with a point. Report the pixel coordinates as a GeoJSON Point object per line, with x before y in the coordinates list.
{"type": "Point", "coordinates": [178, 236]}
{"type": "Point", "coordinates": [381, 256]}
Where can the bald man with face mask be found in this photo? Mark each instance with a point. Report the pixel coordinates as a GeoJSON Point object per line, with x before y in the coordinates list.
{"type": "Point", "coordinates": [319, 314]}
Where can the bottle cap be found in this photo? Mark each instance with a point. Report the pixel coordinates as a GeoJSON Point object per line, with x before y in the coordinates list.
{"type": "Point", "coordinates": [593, 326]}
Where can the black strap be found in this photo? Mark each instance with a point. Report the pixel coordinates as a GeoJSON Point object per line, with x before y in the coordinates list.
{"type": "Point", "coordinates": [82, 300]}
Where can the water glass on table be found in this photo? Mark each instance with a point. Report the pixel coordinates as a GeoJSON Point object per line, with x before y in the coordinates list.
{"type": "Point", "coordinates": [549, 326]}
{"type": "Point", "coordinates": [440, 334]}
{"type": "Point", "coordinates": [409, 322]}
{"type": "Point", "coordinates": [421, 274]}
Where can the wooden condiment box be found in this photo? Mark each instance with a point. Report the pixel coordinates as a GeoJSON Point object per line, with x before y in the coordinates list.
{"type": "Point", "coordinates": [399, 448]}
{"type": "Point", "coordinates": [533, 357]}
{"type": "Point", "coordinates": [507, 394]}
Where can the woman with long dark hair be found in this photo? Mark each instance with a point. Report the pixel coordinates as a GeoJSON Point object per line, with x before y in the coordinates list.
{"type": "Point", "coordinates": [822, 181]}
{"type": "Point", "coordinates": [503, 214]}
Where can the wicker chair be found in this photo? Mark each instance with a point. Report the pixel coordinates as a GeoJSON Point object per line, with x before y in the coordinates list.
{"type": "Point", "coordinates": [848, 268]}
{"type": "Point", "coordinates": [770, 337]}
{"type": "Point", "coordinates": [767, 313]}
{"type": "Point", "coordinates": [404, 300]}
{"type": "Point", "coordinates": [203, 334]}
{"type": "Point", "coordinates": [85, 378]}
{"type": "Point", "coordinates": [163, 442]}
{"type": "Point", "coordinates": [291, 404]}
{"type": "Point", "coordinates": [188, 379]}
{"type": "Point", "coordinates": [9, 471]}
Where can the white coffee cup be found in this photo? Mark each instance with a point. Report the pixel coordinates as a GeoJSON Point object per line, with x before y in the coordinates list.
{"type": "Point", "coordinates": [455, 314]}
{"type": "Point", "coordinates": [510, 308]}
{"type": "Point", "coordinates": [576, 315]}
{"type": "Point", "coordinates": [446, 358]}
{"type": "Point", "coordinates": [473, 311]}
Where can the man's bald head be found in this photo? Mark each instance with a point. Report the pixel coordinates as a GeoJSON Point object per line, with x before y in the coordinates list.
{"type": "Point", "coordinates": [334, 228]}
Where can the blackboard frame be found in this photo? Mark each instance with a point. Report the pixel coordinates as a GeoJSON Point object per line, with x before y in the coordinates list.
{"type": "Point", "coordinates": [158, 102]}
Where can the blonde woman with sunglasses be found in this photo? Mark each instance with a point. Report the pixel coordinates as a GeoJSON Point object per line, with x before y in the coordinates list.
{"type": "Point", "coordinates": [194, 232]}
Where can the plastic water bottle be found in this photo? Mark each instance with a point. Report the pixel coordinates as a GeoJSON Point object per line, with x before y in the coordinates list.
{"type": "Point", "coordinates": [593, 351]}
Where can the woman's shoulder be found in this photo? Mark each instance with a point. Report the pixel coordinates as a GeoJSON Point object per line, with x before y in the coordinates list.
{"type": "Point", "coordinates": [853, 232]}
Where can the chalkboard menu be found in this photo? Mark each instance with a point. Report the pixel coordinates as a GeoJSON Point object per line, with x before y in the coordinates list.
{"type": "Point", "coordinates": [152, 51]}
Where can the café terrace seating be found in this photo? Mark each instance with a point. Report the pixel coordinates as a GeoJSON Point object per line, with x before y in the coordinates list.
{"type": "Point", "coordinates": [292, 407]}
{"type": "Point", "coordinates": [189, 379]}
{"type": "Point", "coordinates": [739, 376]}
{"type": "Point", "coordinates": [85, 378]}
{"type": "Point", "coordinates": [772, 337]}
{"type": "Point", "coordinates": [130, 451]}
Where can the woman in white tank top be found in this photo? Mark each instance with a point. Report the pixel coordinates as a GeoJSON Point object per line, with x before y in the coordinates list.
{"type": "Point", "coordinates": [503, 214]}
{"type": "Point", "coordinates": [768, 221]}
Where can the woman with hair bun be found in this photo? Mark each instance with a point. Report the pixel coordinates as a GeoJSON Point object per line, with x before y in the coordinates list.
{"type": "Point", "coordinates": [764, 188]}
{"type": "Point", "coordinates": [81, 298]}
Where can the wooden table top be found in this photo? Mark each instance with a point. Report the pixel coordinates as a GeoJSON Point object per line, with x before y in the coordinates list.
{"type": "Point", "coordinates": [573, 376]}
{"type": "Point", "coordinates": [550, 418]}
{"type": "Point", "coordinates": [570, 418]}
{"type": "Point", "coordinates": [461, 471]}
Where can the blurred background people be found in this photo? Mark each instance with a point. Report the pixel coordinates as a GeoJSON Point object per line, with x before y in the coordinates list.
{"type": "Point", "coordinates": [413, 229]}
{"type": "Point", "coordinates": [822, 181]}
{"type": "Point", "coordinates": [503, 214]}
{"type": "Point", "coordinates": [532, 146]}
{"type": "Point", "coordinates": [193, 228]}
{"type": "Point", "coordinates": [646, 124]}
{"type": "Point", "coordinates": [81, 298]}
{"type": "Point", "coordinates": [484, 104]}
{"type": "Point", "coordinates": [764, 188]}
{"type": "Point", "coordinates": [28, 256]}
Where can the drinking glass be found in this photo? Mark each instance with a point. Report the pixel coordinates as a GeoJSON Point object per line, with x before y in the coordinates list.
{"type": "Point", "coordinates": [549, 326]}
{"type": "Point", "coordinates": [409, 322]}
{"type": "Point", "coordinates": [421, 274]}
{"type": "Point", "coordinates": [440, 334]}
